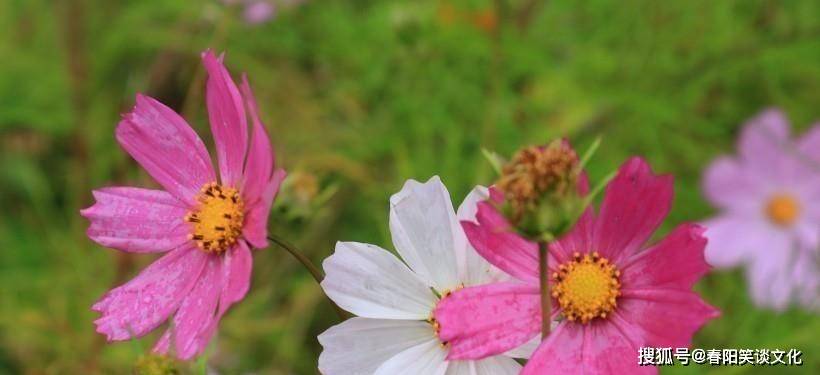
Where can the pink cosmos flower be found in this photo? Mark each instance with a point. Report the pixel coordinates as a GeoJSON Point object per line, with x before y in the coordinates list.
{"type": "Point", "coordinates": [769, 198]}
{"type": "Point", "coordinates": [257, 12]}
{"type": "Point", "coordinates": [610, 297]}
{"type": "Point", "coordinates": [206, 225]}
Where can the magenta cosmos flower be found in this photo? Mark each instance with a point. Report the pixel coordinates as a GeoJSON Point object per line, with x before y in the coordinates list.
{"type": "Point", "coordinates": [610, 297]}
{"type": "Point", "coordinates": [769, 220]}
{"type": "Point", "coordinates": [206, 225]}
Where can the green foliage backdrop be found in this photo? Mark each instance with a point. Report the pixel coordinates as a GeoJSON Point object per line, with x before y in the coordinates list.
{"type": "Point", "coordinates": [359, 96]}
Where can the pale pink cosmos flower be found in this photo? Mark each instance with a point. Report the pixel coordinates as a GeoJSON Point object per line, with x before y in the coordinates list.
{"type": "Point", "coordinates": [257, 12]}
{"type": "Point", "coordinates": [769, 220]}
{"type": "Point", "coordinates": [610, 296]}
{"type": "Point", "coordinates": [394, 332]}
{"type": "Point", "coordinates": [207, 226]}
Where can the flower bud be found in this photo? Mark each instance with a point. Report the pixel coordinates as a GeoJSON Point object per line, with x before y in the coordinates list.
{"type": "Point", "coordinates": [154, 364]}
{"type": "Point", "coordinates": [540, 187]}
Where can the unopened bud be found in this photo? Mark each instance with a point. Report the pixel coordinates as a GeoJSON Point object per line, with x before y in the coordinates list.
{"type": "Point", "coordinates": [537, 176]}
{"type": "Point", "coordinates": [153, 364]}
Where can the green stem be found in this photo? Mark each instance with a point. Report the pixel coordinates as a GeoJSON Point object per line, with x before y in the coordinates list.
{"type": "Point", "coordinates": [546, 301]}
{"type": "Point", "coordinates": [314, 271]}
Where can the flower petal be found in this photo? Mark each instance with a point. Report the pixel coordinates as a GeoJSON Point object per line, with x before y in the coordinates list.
{"type": "Point", "coordinates": [424, 358]}
{"type": "Point", "coordinates": [236, 276]}
{"type": "Point", "coordinates": [259, 166]}
{"type": "Point", "coordinates": [370, 282]}
{"type": "Point", "coordinates": [238, 266]}
{"type": "Point", "coordinates": [426, 233]}
{"type": "Point", "coordinates": [494, 240]}
{"type": "Point", "coordinates": [763, 140]}
{"type": "Point", "coordinates": [728, 185]}
{"type": "Point", "coordinates": [809, 143]}
{"type": "Point", "coordinates": [136, 220]}
{"type": "Point", "coordinates": [529, 347]}
{"type": "Point", "coordinates": [502, 316]}
{"type": "Point", "coordinates": [169, 150]}
{"type": "Point", "coordinates": [256, 223]}
{"type": "Point", "coordinates": [498, 365]}
{"type": "Point", "coordinates": [667, 317]}
{"type": "Point", "coordinates": [733, 240]}
{"type": "Point", "coordinates": [771, 280]}
{"type": "Point", "coordinates": [598, 348]}
{"type": "Point", "coordinates": [579, 238]}
{"type": "Point", "coordinates": [635, 204]}
{"type": "Point", "coordinates": [473, 269]}
{"type": "Point", "coordinates": [145, 302]}
{"type": "Point", "coordinates": [807, 278]}
{"type": "Point", "coordinates": [676, 262]}
{"type": "Point", "coordinates": [227, 117]}
{"type": "Point", "coordinates": [358, 346]}
{"type": "Point", "coordinates": [190, 330]}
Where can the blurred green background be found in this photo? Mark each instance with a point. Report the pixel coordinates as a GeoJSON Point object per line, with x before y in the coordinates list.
{"type": "Point", "coordinates": [360, 96]}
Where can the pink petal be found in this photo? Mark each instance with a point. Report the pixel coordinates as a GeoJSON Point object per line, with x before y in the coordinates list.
{"type": "Point", "coordinates": [491, 319]}
{"type": "Point", "coordinates": [227, 116]}
{"type": "Point", "coordinates": [258, 12]}
{"type": "Point", "coordinates": [809, 143]}
{"type": "Point", "coordinates": [676, 262]}
{"type": "Point", "coordinates": [190, 330]}
{"type": "Point", "coordinates": [256, 222]}
{"type": "Point", "coordinates": [145, 302]}
{"type": "Point", "coordinates": [494, 240]}
{"type": "Point", "coordinates": [599, 348]}
{"type": "Point", "coordinates": [727, 185]}
{"type": "Point", "coordinates": [667, 317]}
{"type": "Point", "coordinates": [236, 269]}
{"type": "Point", "coordinates": [259, 166]}
{"type": "Point", "coordinates": [136, 220]}
{"type": "Point", "coordinates": [635, 203]}
{"type": "Point", "coordinates": [763, 140]}
{"type": "Point", "coordinates": [579, 239]}
{"type": "Point", "coordinates": [168, 149]}
{"type": "Point", "coordinates": [733, 240]}
{"type": "Point", "coordinates": [770, 274]}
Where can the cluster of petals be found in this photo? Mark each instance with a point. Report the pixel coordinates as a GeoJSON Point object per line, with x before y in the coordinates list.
{"type": "Point", "coordinates": [189, 286]}
{"type": "Point", "coordinates": [769, 219]}
{"type": "Point", "coordinates": [655, 305]}
{"type": "Point", "coordinates": [394, 332]}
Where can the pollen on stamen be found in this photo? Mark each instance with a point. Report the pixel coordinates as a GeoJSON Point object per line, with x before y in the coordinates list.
{"type": "Point", "coordinates": [586, 287]}
{"type": "Point", "coordinates": [783, 209]}
{"type": "Point", "coordinates": [216, 223]}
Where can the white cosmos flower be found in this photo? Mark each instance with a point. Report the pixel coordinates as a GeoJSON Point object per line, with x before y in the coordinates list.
{"type": "Point", "coordinates": [391, 334]}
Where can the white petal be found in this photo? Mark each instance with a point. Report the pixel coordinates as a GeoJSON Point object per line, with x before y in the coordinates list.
{"type": "Point", "coordinates": [473, 269]}
{"type": "Point", "coordinates": [370, 282]}
{"type": "Point", "coordinates": [426, 232]}
{"type": "Point", "coordinates": [359, 346]}
{"type": "Point", "coordinates": [469, 207]}
{"type": "Point", "coordinates": [498, 365]}
{"type": "Point", "coordinates": [526, 350]}
{"type": "Point", "coordinates": [426, 358]}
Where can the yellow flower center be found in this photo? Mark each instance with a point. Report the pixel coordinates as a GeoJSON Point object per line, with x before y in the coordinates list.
{"type": "Point", "coordinates": [586, 287]}
{"type": "Point", "coordinates": [217, 222]}
{"type": "Point", "coordinates": [783, 209]}
{"type": "Point", "coordinates": [432, 319]}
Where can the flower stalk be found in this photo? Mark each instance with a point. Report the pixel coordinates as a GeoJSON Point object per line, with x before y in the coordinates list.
{"type": "Point", "coordinates": [543, 277]}
{"type": "Point", "coordinates": [314, 271]}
